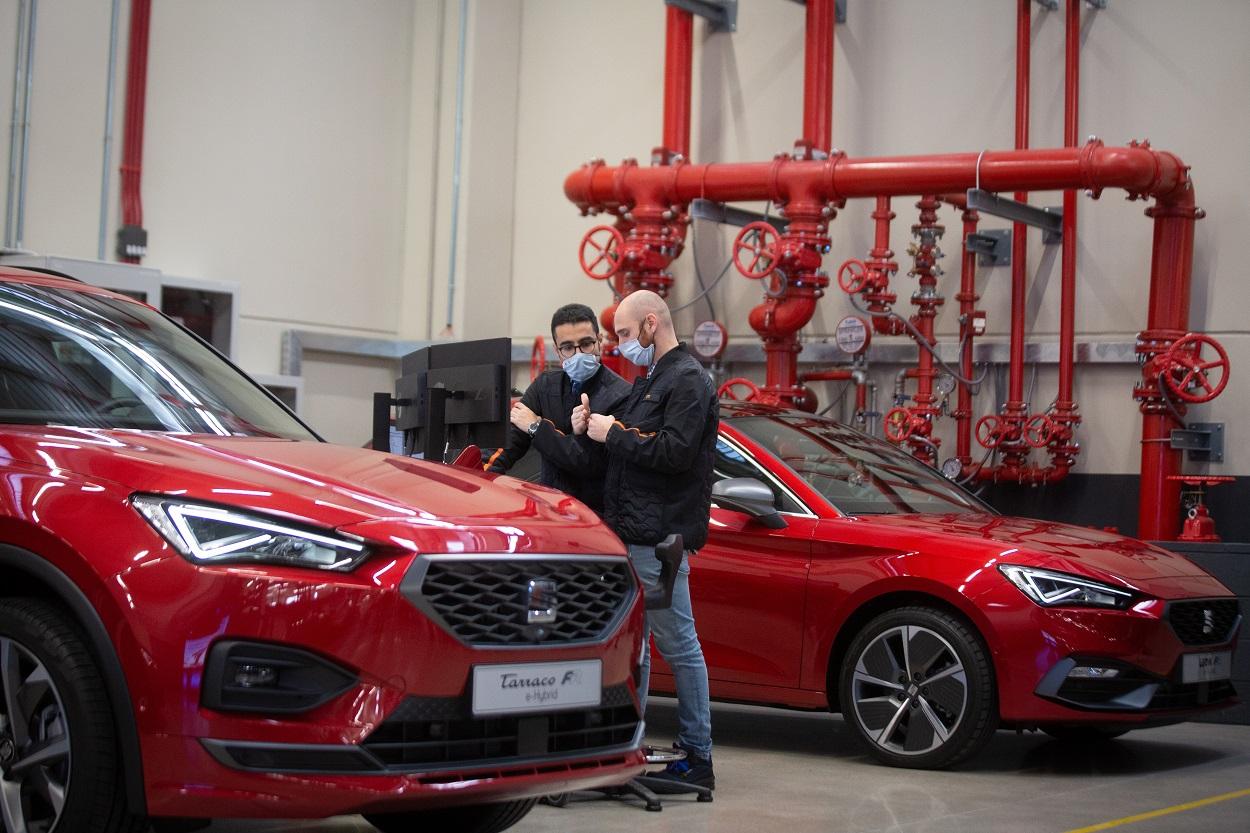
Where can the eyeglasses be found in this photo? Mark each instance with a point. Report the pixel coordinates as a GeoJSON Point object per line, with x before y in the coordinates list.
{"type": "Point", "coordinates": [568, 349]}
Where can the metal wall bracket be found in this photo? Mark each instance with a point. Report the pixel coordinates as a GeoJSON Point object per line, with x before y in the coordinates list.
{"type": "Point", "coordinates": [1096, 4]}
{"type": "Point", "coordinates": [1049, 5]}
{"type": "Point", "coordinates": [719, 212]}
{"type": "Point", "coordinates": [1050, 238]}
{"type": "Point", "coordinates": [1204, 441]}
{"type": "Point", "coordinates": [1018, 212]}
{"type": "Point", "coordinates": [721, 15]}
{"type": "Point", "coordinates": [993, 246]}
{"type": "Point", "coordinates": [839, 9]}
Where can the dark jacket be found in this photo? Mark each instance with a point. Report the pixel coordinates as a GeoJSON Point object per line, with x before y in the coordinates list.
{"type": "Point", "coordinates": [660, 452]}
{"type": "Point", "coordinates": [572, 464]}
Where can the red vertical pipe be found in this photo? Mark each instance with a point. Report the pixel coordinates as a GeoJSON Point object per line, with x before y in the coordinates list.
{"type": "Point", "coordinates": [1067, 300]}
{"type": "Point", "coordinates": [818, 76]}
{"type": "Point", "coordinates": [136, 93]}
{"type": "Point", "coordinates": [1019, 248]}
{"type": "Point", "coordinates": [678, 58]}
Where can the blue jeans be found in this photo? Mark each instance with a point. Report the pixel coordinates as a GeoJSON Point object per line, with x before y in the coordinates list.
{"type": "Point", "coordinates": [678, 643]}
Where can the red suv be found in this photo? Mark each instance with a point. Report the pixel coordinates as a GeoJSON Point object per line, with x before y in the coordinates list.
{"type": "Point", "coordinates": [207, 612]}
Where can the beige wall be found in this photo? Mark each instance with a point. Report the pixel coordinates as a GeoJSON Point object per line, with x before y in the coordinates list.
{"type": "Point", "coordinates": [304, 148]}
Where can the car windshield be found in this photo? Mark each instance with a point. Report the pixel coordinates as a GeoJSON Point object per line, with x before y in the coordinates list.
{"type": "Point", "coordinates": [857, 474]}
{"type": "Point", "coordinates": [91, 361]}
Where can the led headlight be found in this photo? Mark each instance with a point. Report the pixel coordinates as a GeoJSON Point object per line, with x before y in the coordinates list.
{"type": "Point", "coordinates": [207, 534]}
{"type": "Point", "coordinates": [1051, 589]}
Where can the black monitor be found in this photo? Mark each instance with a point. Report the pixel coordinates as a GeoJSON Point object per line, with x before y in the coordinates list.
{"type": "Point", "coordinates": [450, 396]}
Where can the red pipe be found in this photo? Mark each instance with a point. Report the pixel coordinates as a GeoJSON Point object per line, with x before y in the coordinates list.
{"type": "Point", "coordinates": [136, 92]}
{"type": "Point", "coordinates": [678, 52]}
{"type": "Point", "coordinates": [818, 76]}
{"type": "Point", "coordinates": [927, 232]}
{"type": "Point", "coordinates": [1015, 410]}
{"type": "Point", "coordinates": [880, 265]}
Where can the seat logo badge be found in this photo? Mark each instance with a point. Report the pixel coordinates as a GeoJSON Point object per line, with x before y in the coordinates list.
{"type": "Point", "coordinates": [1208, 621]}
{"type": "Point", "coordinates": [540, 601]}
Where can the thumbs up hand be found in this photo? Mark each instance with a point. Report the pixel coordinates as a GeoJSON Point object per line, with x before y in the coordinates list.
{"type": "Point", "coordinates": [581, 415]}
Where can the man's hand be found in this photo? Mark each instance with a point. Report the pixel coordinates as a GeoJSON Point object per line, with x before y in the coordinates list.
{"type": "Point", "coordinates": [600, 425]}
{"type": "Point", "coordinates": [581, 415]}
{"type": "Point", "coordinates": [522, 417]}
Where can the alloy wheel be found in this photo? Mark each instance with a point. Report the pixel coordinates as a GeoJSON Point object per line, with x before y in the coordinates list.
{"type": "Point", "coordinates": [909, 689]}
{"type": "Point", "coordinates": [34, 743]}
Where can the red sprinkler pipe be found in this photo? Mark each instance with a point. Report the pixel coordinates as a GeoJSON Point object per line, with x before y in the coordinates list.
{"type": "Point", "coordinates": [136, 92]}
{"type": "Point", "coordinates": [879, 267]}
{"type": "Point", "coordinates": [967, 299]}
{"type": "Point", "coordinates": [818, 77]}
{"type": "Point", "coordinates": [926, 299]}
{"type": "Point", "coordinates": [678, 52]}
{"type": "Point", "coordinates": [1015, 410]}
{"type": "Point", "coordinates": [1063, 448]}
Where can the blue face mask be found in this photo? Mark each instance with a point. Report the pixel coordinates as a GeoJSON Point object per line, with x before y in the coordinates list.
{"type": "Point", "coordinates": [636, 353]}
{"type": "Point", "coordinates": [581, 366]}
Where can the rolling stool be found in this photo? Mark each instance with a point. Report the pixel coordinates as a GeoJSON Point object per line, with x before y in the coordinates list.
{"type": "Point", "coordinates": [660, 597]}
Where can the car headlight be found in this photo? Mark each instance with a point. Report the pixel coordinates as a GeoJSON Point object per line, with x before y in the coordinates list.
{"type": "Point", "coordinates": [1051, 589]}
{"type": "Point", "coordinates": [207, 534]}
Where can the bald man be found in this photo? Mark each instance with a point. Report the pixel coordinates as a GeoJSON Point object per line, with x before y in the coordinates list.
{"type": "Point", "coordinates": [660, 446]}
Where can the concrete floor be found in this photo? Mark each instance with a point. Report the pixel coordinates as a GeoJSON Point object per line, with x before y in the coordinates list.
{"type": "Point", "coordinates": [804, 773]}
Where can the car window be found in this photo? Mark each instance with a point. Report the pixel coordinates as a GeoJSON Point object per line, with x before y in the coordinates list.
{"type": "Point", "coordinates": [857, 474]}
{"type": "Point", "coordinates": [91, 361]}
{"type": "Point", "coordinates": [730, 462]}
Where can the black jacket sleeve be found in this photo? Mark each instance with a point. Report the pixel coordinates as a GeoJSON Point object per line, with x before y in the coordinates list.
{"type": "Point", "coordinates": [577, 455]}
{"type": "Point", "coordinates": [518, 440]}
{"type": "Point", "coordinates": [673, 448]}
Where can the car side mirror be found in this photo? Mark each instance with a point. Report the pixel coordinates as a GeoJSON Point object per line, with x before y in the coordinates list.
{"type": "Point", "coordinates": [749, 496]}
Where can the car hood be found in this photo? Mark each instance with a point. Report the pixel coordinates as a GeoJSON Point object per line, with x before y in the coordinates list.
{"type": "Point", "coordinates": [1054, 546]}
{"type": "Point", "coordinates": [419, 506]}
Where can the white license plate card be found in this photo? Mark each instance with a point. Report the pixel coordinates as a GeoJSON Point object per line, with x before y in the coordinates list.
{"type": "Point", "coordinates": [1203, 668]}
{"type": "Point", "coordinates": [536, 686]}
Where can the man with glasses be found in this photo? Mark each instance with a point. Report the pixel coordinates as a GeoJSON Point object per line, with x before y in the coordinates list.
{"type": "Point", "coordinates": [660, 446]}
{"type": "Point", "coordinates": [542, 419]}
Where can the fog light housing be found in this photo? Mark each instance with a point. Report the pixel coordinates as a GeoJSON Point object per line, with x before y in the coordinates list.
{"type": "Point", "coordinates": [259, 677]}
{"type": "Point", "coordinates": [1093, 672]}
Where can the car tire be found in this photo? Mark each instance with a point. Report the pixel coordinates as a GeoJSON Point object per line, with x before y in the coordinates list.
{"type": "Point", "coordinates": [474, 818]}
{"type": "Point", "coordinates": [53, 704]}
{"type": "Point", "coordinates": [917, 686]}
{"type": "Point", "coordinates": [1083, 734]}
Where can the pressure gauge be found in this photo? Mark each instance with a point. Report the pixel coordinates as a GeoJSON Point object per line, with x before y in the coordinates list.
{"type": "Point", "coordinates": [710, 339]}
{"type": "Point", "coordinates": [952, 468]}
{"type": "Point", "coordinates": [852, 335]}
{"type": "Point", "coordinates": [945, 384]}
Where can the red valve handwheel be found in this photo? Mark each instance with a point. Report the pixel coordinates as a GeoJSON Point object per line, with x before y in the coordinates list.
{"type": "Point", "coordinates": [852, 275]}
{"type": "Point", "coordinates": [538, 358]}
{"type": "Point", "coordinates": [898, 424]}
{"type": "Point", "coordinates": [600, 254]}
{"type": "Point", "coordinates": [1186, 369]}
{"type": "Point", "coordinates": [1038, 430]}
{"type": "Point", "coordinates": [989, 431]}
{"type": "Point", "coordinates": [759, 243]}
{"type": "Point", "coordinates": [726, 390]}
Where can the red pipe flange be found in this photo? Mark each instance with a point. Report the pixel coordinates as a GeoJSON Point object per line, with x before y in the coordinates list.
{"type": "Point", "coordinates": [1185, 369]}
{"type": "Point", "coordinates": [600, 252]}
{"type": "Point", "coordinates": [760, 240]}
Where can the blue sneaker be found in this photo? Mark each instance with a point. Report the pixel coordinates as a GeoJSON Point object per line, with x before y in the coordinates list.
{"type": "Point", "coordinates": [691, 770]}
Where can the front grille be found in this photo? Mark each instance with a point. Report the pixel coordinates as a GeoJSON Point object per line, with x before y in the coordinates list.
{"type": "Point", "coordinates": [430, 732]}
{"type": "Point", "coordinates": [484, 601]}
{"type": "Point", "coordinates": [1191, 695]}
{"type": "Point", "coordinates": [1204, 622]}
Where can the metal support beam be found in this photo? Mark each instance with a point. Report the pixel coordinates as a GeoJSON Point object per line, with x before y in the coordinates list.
{"type": "Point", "coordinates": [1018, 212]}
{"type": "Point", "coordinates": [721, 15]}
{"type": "Point", "coordinates": [993, 246]}
{"type": "Point", "coordinates": [719, 212]}
{"type": "Point", "coordinates": [1204, 441]}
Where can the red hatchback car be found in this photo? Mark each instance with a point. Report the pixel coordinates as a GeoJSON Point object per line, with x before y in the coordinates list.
{"type": "Point", "coordinates": [207, 612]}
{"type": "Point", "coordinates": [841, 573]}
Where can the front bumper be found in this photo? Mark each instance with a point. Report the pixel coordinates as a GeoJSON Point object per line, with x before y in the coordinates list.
{"type": "Point", "coordinates": [400, 736]}
{"type": "Point", "coordinates": [1037, 649]}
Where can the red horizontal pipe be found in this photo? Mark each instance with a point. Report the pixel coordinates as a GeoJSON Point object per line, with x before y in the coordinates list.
{"type": "Point", "coordinates": [678, 52]}
{"type": "Point", "coordinates": [1140, 170]}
